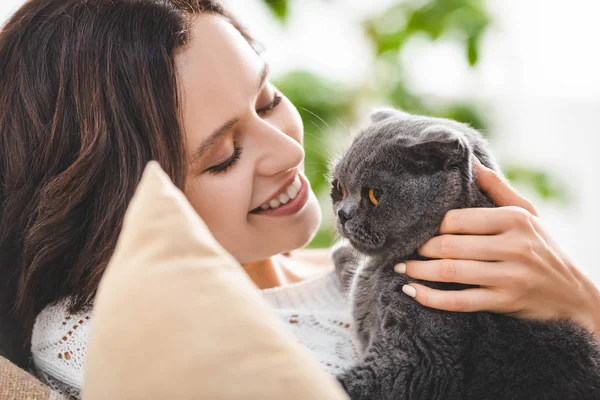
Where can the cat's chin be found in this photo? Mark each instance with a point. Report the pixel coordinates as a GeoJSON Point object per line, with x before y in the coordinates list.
{"type": "Point", "coordinates": [365, 248]}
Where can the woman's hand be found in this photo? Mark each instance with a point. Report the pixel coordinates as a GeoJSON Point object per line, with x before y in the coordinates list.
{"type": "Point", "coordinates": [520, 271]}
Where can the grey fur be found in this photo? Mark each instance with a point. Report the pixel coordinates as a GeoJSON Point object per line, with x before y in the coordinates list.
{"type": "Point", "coordinates": [423, 168]}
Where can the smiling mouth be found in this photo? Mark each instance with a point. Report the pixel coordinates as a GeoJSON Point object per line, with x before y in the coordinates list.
{"type": "Point", "coordinates": [290, 200]}
{"type": "Point", "coordinates": [285, 195]}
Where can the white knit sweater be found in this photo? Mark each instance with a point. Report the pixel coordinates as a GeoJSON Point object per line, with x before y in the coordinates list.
{"type": "Point", "coordinates": [315, 309]}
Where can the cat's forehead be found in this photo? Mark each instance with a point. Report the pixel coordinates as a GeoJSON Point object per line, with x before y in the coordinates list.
{"type": "Point", "coordinates": [394, 130]}
{"type": "Point", "coordinates": [358, 168]}
{"type": "Point", "coordinates": [370, 147]}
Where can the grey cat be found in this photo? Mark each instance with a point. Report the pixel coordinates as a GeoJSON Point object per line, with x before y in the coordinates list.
{"type": "Point", "coordinates": [390, 192]}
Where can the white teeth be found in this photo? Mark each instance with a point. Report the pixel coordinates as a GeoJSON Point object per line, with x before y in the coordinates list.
{"type": "Point", "coordinates": [284, 198]}
{"type": "Point", "coordinates": [274, 203]}
{"type": "Point", "coordinates": [297, 184]}
{"type": "Point", "coordinates": [292, 192]}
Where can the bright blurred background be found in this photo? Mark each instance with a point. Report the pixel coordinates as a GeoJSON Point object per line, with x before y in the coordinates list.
{"type": "Point", "coordinates": [526, 73]}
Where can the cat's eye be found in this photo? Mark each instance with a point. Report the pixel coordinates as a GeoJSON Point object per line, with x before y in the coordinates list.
{"type": "Point", "coordinates": [340, 188]}
{"type": "Point", "coordinates": [337, 191]}
{"type": "Point", "coordinates": [374, 196]}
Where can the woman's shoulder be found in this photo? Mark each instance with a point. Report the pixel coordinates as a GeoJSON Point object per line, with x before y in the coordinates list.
{"type": "Point", "coordinates": [59, 341]}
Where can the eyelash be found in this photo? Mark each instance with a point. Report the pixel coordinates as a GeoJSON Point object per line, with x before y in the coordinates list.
{"type": "Point", "coordinates": [276, 101]}
{"type": "Point", "coordinates": [237, 152]}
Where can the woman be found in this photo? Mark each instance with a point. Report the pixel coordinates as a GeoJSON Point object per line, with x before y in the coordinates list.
{"type": "Point", "coordinates": [92, 91]}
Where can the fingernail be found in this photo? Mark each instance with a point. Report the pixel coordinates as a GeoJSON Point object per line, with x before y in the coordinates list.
{"type": "Point", "coordinates": [400, 268]}
{"type": "Point", "coordinates": [476, 160]}
{"type": "Point", "coordinates": [409, 290]}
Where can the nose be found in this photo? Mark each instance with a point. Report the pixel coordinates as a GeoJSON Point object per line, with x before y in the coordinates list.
{"type": "Point", "coordinates": [279, 151]}
{"type": "Point", "coordinates": [343, 216]}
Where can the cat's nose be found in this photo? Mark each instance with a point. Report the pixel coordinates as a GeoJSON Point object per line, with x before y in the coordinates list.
{"type": "Point", "coordinates": [343, 216]}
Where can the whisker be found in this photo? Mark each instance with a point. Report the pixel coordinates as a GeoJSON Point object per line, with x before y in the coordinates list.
{"type": "Point", "coordinates": [344, 125]}
{"type": "Point", "coordinates": [321, 119]}
{"type": "Point", "coordinates": [319, 149]}
{"type": "Point", "coordinates": [319, 152]}
{"type": "Point", "coordinates": [317, 126]}
{"type": "Point", "coordinates": [323, 142]}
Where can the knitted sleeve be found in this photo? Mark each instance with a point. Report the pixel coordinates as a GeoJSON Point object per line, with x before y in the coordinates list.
{"type": "Point", "coordinates": [58, 347]}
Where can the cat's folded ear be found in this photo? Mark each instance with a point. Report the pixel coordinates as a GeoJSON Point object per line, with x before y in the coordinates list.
{"type": "Point", "coordinates": [441, 146]}
{"type": "Point", "coordinates": [383, 113]}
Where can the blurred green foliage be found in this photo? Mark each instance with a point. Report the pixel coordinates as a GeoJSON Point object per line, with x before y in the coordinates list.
{"type": "Point", "coordinates": [279, 8]}
{"type": "Point", "coordinates": [328, 107]}
{"type": "Point", "coordinates": [544, 184]}
{"type": "Point", "coordinates": [466, 20]}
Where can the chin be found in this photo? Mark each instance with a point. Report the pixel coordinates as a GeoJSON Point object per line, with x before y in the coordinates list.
{"type": "Point", "coordinates": [365, 249]}
{"type": "Point", "coordinates": [304, 228]}
{"type": "Point", "coordinates": [309, 225]}
{"type": "Point", "coordinates": [360, 245]}
{"type": "Point", "coordinates": [282, 239]}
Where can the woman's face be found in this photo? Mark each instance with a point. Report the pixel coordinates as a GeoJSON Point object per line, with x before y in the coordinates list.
{"type": "Point", "coordinates": [244, 145]}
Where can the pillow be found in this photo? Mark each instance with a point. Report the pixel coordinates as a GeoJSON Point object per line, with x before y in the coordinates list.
{"type": "Point", "coordinates": [16, 384]}
{"type": "Point", "coordinates": [176, 317]}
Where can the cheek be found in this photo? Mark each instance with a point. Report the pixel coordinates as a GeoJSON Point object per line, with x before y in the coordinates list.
{"type": "Point", "coordinates": [220, 201]}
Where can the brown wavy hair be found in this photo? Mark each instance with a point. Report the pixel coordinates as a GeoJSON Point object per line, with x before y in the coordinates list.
{"type": "Point", "coordinates": [88, 95]}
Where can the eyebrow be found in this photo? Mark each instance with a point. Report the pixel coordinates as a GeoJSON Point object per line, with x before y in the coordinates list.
{"type": "Point", "coordinates": [219, 132]}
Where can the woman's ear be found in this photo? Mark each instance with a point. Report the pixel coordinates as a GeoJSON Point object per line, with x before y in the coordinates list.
{"type": "Point", "coordinates": [441, 146]}
{"type": "Point", "coordinates": [383, 113]}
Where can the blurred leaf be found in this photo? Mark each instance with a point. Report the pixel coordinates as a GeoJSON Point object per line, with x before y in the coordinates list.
{"type": "Point", "coordinates": [387, 32]}
{"type": "Point", "coordinates": [467, 19]}
{"type": "Point", "coordinates": [430, 18]}
{"type": "Point", "coordinates": [311, 93]}
{"type": "Point", "coordinates": [400, 97]}
{"type": "Point", "coordinates": [324, 238]}
{"type": "Point", "coordinates": [279, 8]}
{"type": "Point", "coordinates": [544, 184]}
{"type": "Point", "coordinates": [316, 165]}
{"type": "Point", "coordinates": [473, 50]}
{"type": "Point", "coordinates": [467, 114]}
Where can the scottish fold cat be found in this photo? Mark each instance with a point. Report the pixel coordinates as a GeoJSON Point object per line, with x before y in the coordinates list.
{"type": "Point", "coordinates": [390, 192]}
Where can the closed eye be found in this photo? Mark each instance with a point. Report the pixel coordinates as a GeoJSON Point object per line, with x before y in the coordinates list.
{"type": "Point", "coordinates": [237, 153]}
{"type": "Point", "coordinates": [276, 101]}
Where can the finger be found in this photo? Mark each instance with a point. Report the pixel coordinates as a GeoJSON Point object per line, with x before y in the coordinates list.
{"type": "Point", "coordinates": [467, 300]}
{"type": "Point", "coordinates": [473, 221]}
{"type": "Point", "coordinates": [465, 247]}
{"type": "Point", "coordinates": [460, 271]}
{"type": "Point", "coordinates": [498, 190]}
{"type": "Point", "coordinates": [486, 221]}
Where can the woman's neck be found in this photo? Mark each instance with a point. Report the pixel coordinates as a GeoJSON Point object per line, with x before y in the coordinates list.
{"type": "Point", "coordinates": [288, 268]}
{"type": "Point", "coordinates": [272, 272]}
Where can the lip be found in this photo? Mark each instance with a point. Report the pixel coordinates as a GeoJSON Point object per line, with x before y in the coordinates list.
{"type": "Point", "coordinates": [278, 192]}
{"type": "Point", "coordinates": [293, 206]}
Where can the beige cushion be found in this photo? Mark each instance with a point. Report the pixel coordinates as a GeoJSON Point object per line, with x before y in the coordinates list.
{"type": "Point", "coordinates": [16, 384]}
{"type": "Point", "coordinates": [177, 318]}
